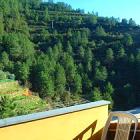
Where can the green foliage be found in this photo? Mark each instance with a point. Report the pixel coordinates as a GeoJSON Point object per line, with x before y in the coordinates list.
{"type": "Point", "coordinates": [81, 52]}
{"type": "Point", "coordinates": [77, 84]}
{"type": "Point", "coordinates": [5, 59]}
{"type": "Point", "coordinates": [22, 71]}
{"type": "Point", "coordinates": [18, 46]}
{"type": "Point", "coordinates": [87, 84]}
{"type": "Point", "coordinates": [2, 75]}
{"type": "Point", "coordinates": [13, 105]}
{"type": "Point", "coordinates": [7, 107]}
{"type": "Point", "coordinates": [9, 86]}
{"type": "Point", "coordinates": [109, 88]}
{"type": "Point", "coordinates": [64, 53]}
{"type": "Point", "coordinates": [1, 24]}
{"type": "Point", "coordinates": [101, 74]}
{"type": "Point", "coordinates": [46, 86]}
{"type": "Point", "coordinates": [132, 22]}
{"type": "Point", "coordinates": [92, 19]}
{"type": "Point", "coordinates": [109, 93]}
{"type": "Point", "coordinates": [124, 21]}
{"type": "Point", "coordinates": [100, 31]}
{"type": "Point", "coordinates": [121, 53]}
{"type": "Point", "coordinates": [60, 79]}
{"type": "Point", "coordinates": [97, 95]}
{"type": "Point", "coordinates": [88, 58]}
{"type": "Point", "coordinates": [46, 15]}
{"type": "Point", "coordinates": [128, 40]}
{"type": "Point", "coordinates": [109, 56]}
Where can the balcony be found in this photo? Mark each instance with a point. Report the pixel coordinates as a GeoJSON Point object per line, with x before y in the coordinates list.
{"type": "Point", "coordinates": [80, 122]}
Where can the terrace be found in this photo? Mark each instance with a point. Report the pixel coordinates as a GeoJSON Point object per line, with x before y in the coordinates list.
{"type": "Point", "coordinates": [80, 122]}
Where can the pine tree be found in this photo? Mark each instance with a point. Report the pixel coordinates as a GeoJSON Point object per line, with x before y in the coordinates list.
{"type": "Point", "coordinates": [128, 40]}
{"type": "Point", "coordinates": [46, 85]}
{"type": "Point", "coordinates": [60, 79]}
{"type": "Point", "coordinates": [100, 31]}
{"type": "Point", "coordinates": [22, 72]}
{"type": "Point", "coordinates": [1, 24]}
{"type": "Point", "coordinates": [97, 95]}
{"type": "Point", "coordinates": [46, 15]}
{"type": "Point", "coordinates": [77, 84]}
{"type": "Point", "coordinates": [109, 56]}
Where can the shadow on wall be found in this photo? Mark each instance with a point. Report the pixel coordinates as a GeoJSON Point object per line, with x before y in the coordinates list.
{"type": "Point", "coordinates": [90, 132]}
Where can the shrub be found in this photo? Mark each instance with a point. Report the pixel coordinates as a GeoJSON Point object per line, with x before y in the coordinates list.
{"type": "Point", "coordinates": [2, 75]}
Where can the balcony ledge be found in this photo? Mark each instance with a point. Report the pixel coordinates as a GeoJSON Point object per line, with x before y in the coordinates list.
{"type": "Point", "coordinates": [51, 113]}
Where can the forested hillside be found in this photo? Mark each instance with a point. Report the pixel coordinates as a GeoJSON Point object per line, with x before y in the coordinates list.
{"type": "Point", "coordinates": [62, 53]}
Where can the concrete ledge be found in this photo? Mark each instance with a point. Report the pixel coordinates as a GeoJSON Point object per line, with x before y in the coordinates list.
{"type": "Point", "coordinates": [51, 113]}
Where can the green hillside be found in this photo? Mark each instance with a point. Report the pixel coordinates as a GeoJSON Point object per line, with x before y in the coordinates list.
{"type": "Point", "coordinates": [66, 55]}
{"type": "Point", "coordinates": [17, 104]}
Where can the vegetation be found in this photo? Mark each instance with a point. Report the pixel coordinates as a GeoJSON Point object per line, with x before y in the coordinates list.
{"type": "Point", "coordinates": [62, 53]}
{"type": "Point", "coordinates": [17, 104]}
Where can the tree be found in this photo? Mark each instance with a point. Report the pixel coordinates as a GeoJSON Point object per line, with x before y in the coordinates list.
{"type": "Point", "coordinates": [60, 79]}
{"type": "Point", "coordinates": [88, 60]}
{"type": "Point", "coordinates": [97, 95]}
{"type": "Point", "coordinates": [92, 19]}
{"type": "Point", "coordinates": [34, 3]}
{"type": "Point", "coordinates": [69, 33]}
{"type": "Point", "coordinates": [87, 84]}
{"type": "Point", "coordinates": [7, 107]}
{"type": "Point", "coordinates": [128, 40]}
{"type": "Point", "coordinates": [1, 25]}
{"type": "Point", "coordinates": [18, 46]}
{"type": "Point", "coordinates": [5, 59]}
{"type": "Point", "coordinates": [100, 31]}
{"type": "Point", "coordinates": [84, 38]}
{"type": "Point", "coordinates": [109, 89]}
{"type": "Point", "coordinates": [57, 51]}
{"type": "Point", "coordinates": [81, 52]}
{"type": "Point", "coordinates": [77, 84]}
{"type": "Point", "coordinates": [108, 95]}
{"type": "Point", "coordinates": [44, 35]}
{"type": "Point", "coordinates": [76, 38]}
{"type": "Point", "coordinates": [124, 21]}
{"type": "Point", "coordinates": [70, 70]}
{"type": "Point", "coordinates": [22, 72]}
{"type": "Point", "coordinates": [132, 22]}
{"type": "Point", "coordinates": [92, 44]}
{"type": "Point", "coordinates": [131, 58]}
{"type": "Point", "coordinates": [69, 48]}
{"type": "Point", "coordinates": [46, 15]}
{"type": "Point", "coordinates": [6, 63]}
{"type": "Point", "coordinates": [109, 56]}
{"type": "Point", "coordinates": [121, 53]}
{"type": "Point", "coordinates": [112, 21]}
{"type": "Point", "coordinates": [2, 75]}
{"type": "Point", "coordinates": [46, 85]}
{"type": "Point", "coordinates": [100, 74]}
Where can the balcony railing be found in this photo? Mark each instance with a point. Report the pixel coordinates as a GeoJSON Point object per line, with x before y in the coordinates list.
{"type": "Point", "coordinates": [80, 122]}
{"type": "Point", "coordinates": [86, 120]}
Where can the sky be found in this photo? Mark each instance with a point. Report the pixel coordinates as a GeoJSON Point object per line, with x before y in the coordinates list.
{"type": "Point", "coordinates": [108, 8]}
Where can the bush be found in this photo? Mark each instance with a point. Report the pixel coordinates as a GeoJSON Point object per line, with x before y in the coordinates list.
{"type": "Point", "coordinates": [16, 104]}
{"type": "Point", "coordinates": [11, 76]}
{"type": "Point", "coordinates": [2, 75]}
{"type": "Point", "coordinates": [7, 107]}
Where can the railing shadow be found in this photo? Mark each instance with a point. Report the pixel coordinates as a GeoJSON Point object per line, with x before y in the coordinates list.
{"type": "Point", "coordinates": [90, 129]}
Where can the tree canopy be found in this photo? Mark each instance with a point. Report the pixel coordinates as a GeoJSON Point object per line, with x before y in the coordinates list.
{"type": "Point", "coordinates": [65, 53]}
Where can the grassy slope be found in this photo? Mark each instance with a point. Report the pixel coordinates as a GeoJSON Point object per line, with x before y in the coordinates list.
{"type": "Point", "coordinates": [13, 102]}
